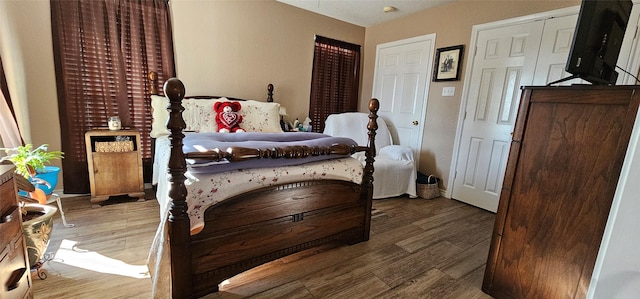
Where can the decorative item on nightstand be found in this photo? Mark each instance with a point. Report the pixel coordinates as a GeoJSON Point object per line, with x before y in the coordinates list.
{"type": "Point", "coordinates": [306, 125]}
{"type": "Point", "coordinates": [114, 123]}
{"type": "Point", "coordinates": [296, 124]}
{"type": "Point", "coordinates": [283, 113]}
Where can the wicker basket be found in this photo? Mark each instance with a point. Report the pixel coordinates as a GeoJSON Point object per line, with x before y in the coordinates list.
{"type": "Point", "coordinates": [114, 146]}
{"type": "Point", "coordinates": [428, 191]}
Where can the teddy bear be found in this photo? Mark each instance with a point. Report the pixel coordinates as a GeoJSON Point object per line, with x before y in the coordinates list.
{"type": "Point", "coordinates": [227, 117]}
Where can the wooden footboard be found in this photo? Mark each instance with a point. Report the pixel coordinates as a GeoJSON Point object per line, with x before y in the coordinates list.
{"type": "Point", "coordinates": [262, 225]}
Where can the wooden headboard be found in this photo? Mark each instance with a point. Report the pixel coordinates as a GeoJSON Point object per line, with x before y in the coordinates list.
{"type": "Point", "coordinates": [153, 89]}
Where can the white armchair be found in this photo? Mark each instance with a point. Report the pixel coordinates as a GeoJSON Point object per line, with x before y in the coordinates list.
{"type": "Point", "coordinates": [394, 168]}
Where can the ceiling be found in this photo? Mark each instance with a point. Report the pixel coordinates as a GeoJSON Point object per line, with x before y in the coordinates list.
{"type": "Point", "coordinates": [364, 12]}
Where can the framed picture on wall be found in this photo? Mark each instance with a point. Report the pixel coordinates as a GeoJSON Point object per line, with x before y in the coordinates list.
{"type": "Point", "coordinates": [448, 63]}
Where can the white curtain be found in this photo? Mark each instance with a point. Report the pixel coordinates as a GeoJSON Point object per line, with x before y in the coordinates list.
{"type": "Point", "coordinates": [8, 128]}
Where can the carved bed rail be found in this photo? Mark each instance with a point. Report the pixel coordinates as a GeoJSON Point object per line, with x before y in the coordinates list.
{"type": "Point", "coordinates": [235, 154]}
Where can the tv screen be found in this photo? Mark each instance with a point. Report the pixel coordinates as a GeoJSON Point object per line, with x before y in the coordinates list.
{"type": "Point", "coordinates": [597, 40]}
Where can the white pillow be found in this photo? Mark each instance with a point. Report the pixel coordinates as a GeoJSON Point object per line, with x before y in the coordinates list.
{"type": "Point", "coordinates": [199, 115]}
{"type": "Point", "coordinates": [160, 116]}
{"type": "Point", "coordinates": [260, 116]}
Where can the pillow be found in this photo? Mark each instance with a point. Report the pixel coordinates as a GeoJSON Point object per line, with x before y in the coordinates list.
{"type": "Point", "coordinates": [160, 116]}
{"type": "Point", "coordinates": [199, 115]}
{"type": "Point", "coordinates": [260, 116]}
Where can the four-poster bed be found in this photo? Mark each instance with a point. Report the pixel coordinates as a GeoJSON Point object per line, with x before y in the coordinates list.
{"type": "Point", "coordinates": [196, 248]}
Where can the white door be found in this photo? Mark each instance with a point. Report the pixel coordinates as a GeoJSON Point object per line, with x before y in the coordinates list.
{"type": "Point", "coordinates": [554, 51]}
{"type": "Point", "coordinates": [505, 59]}
{"type": "Point", "coordinates": [402, 76]}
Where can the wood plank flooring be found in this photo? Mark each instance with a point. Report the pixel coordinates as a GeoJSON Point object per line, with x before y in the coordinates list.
{"type": "Point", "coordinates": [418, 249]}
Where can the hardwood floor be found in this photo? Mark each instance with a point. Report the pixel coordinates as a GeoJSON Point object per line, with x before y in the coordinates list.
{"type": "Point", "coordinates": [418, 249]}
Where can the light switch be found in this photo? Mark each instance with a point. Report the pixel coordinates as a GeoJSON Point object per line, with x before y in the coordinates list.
{"type": "Point", "coordinates": [448, 91]}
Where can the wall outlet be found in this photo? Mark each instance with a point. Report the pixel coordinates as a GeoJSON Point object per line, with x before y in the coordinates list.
{"type": "Point", "coordinates": [448, 91]}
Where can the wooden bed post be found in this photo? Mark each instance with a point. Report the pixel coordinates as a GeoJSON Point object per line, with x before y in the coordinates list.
{"type": "Point", "coordinates": [153, 82]}
{"type": "Point", "coordinates": [270, 93]}
{"type": "Point", "coordinates": [367, 178]}
{"type": "Point", "coordinates": [178, 218]}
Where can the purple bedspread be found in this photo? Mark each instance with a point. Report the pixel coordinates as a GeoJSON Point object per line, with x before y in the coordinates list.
{"type": "Point", "coordinates": [199, 141]}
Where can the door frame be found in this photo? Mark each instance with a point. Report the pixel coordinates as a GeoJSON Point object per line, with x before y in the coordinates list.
{"type": "Point", "coordinates": [470, 61]}
{"type": "Point", "coordinates": [629, 56]}
{"type": "Point", "coordinates": [423, 114]}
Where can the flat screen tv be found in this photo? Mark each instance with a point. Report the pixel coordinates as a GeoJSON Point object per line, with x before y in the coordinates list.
{"type": "Point", "coordinates": [597, 40]}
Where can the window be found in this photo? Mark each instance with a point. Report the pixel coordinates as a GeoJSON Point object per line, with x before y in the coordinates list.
{"type": "Point", "coordinates": [103, 51]}
{"type": "Point", "coordinates": [335, 80]}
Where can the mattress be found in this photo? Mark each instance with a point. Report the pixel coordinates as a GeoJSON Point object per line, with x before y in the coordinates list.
{"type": "Point", "coordinates": [206, 189]}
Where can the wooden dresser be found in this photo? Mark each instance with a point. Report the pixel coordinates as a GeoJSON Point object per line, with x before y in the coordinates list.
{"type": "Point", "coordinates": [15, 277]}
{"type": "Point", "coordinates": [568, 147]}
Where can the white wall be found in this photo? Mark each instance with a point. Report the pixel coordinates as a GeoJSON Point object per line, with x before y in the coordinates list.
{"type": "Point", "coordinates": [27, 56]}
{"type": "Point", "coordinates": [236, 48]}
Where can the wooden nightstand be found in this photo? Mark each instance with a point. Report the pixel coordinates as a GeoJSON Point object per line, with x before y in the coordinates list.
{"type": "Point", "coordinates": [115, 164]}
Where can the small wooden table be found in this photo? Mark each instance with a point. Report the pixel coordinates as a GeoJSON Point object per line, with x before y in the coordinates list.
{"type": "Point", "coordinates": [115, 164]}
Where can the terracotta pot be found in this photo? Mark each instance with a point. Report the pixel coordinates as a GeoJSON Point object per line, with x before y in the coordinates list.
{"type": "Point", "coordinates": [37, 230]}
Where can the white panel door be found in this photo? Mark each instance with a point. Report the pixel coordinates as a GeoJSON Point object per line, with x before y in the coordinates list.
{"type": "Point", "coordinates": [505, 59]}
{"type": "Point", "coordinates": [554, 51]}
{"type": "Point", "coordinates": [402, 76]}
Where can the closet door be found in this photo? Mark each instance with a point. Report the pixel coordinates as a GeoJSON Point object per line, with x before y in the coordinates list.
{"type": "Point", "coordinates": [554, 51]}
{"type": "Point", "coordinates": [540, 49]}
{"type": "Point", "coordinates": [505, 59]}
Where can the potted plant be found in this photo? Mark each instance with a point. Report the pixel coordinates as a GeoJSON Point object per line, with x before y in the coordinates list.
{"type": "Point", "coordinates": [37, 224]}
{"type": "Point", "coordinates": [39, 181]}
{"type": "Point", "coordinates": [33, 163]}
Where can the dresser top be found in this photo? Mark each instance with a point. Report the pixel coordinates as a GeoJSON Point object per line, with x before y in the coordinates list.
{"type": "Point", "coordinates": [584, 87]}
{"type": "Point", "coordinates": [6, 172]}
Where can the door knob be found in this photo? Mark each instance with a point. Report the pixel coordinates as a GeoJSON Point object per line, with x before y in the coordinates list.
{"type": "Point", "coordinates": [415, 122]}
